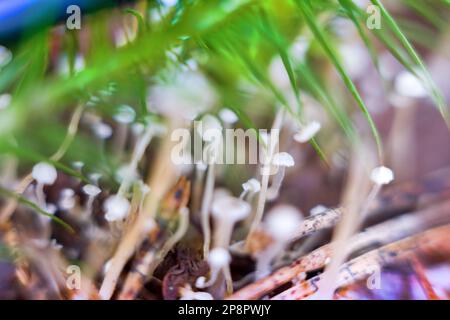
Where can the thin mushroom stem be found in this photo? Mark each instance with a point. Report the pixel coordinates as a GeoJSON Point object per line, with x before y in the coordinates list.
{"type": "Point", "coordinates": [89, 204]}
{"type": "Point", "coordinates": [260, 205]}
{"type": "Point", "coordinates": [198, 186]}
{"type": "Point", "coordinates": [223, 236]}
{"type": "Point", "coordinates": [138, 152]}
{"type": "Point", "coordinates": [228, 279]}
{"type": "Point", "coordinates": [274, 190]}
{"type": "Point", "coordinates": [40, 196]}
{"type": "Point", "coordinates": [243, 194]}
{"type": "Point", "coordinates": [278, 121]}
{"type": "Point", "coordinates": [206, 205]}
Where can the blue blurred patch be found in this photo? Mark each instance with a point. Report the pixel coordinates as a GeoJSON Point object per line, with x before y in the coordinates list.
{"type": "Point", "coordinates": [20, 18]}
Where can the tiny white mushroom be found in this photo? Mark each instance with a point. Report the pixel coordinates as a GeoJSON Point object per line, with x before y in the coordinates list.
{"type": "Point", "coordinates": [51, 208]}
{"type": "Point", "coordinates": [209, 122]}
{"type": "Point", "coordinates": [95, 177]}
{"type": "Point", "coordinates": [91, 191]}
{"type": "Point", "coordinates": [227, 211]}
{"type": "Point", "coordinates": [408, 85]}
{"type": "Point", "coordinates": [185, 96]}
{"type": "Point", "coordinates": [44, 174]}
{"type": "Point", "coordinates": [283, 159]}
{"type": "Point", "coordinates": [78, 165]}
{"type": "Point", "coordinates": [228, 116]}
{"type": "Point", "coordinates": [116, 208]}
{"type": "Point", "coordinates": [5, 100]}
{"type": "Point", "coordinates": [251, 187]}
{"type": "Point", "coordinates": [382, 175]}
{"type": "Point", "coordinates": [282, 224]}
{"type": "Point", "coordinates": [67, 199]}
{"type": "Point", "coordinates": [280, 161]}
{"type": "Point", "coordinates": [318, 209]}
{"type": "Point", "coordinates": [125, 114]}
{"type": "Point", "coordinates": [307, 132]}
{"type": "Point", "coordinates": [218, 259]}
{"type": "Point", "coordinates": [137, 128]}
{"type": "Point", "coordinates": [102, 130]}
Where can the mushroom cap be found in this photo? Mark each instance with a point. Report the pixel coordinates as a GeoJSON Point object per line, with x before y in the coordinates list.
{"type": "Point", "coordinates": [67, 192]}
{"type": "Point", "coordinates": [200, 282]}
{"type": "Point", "coordinates": [125, 172]}
{"type": "Point", "coordinates": [67, 199]}
{"type": "Point", "coordinates": [116, 208]}
{"type": "Point", "coordinates": [307, 132]}
{"type": "Point", "coordinates": [44, 173]}
{"type": "Point", "coordinates": [210, 128]}
{"type": "Point", "coordinates": [228, 116]}
{"type": "Point", "coordinates": [382, 175]}
{"type": "Point", "coordinates": [227, 207]}
{"type": "Point", "coordinates": [200, 295]}
{"type": "Point", "coordinates": [318, 209]}
{"type": "Point", "coordinates": [219, 258]}
{"type": "Point", "coordinates": [408, 85]}
{"type": "Point", "coordinates": [124, 114]}
{"type": "Point", "coordinates": [102, 130]}
{"type": "Point", "coordinates": [185, 96]}
{"type": "Point", "coordinates": [5, 100]}
{"type": "Point", "coordinates": [283, 222]}
{"type": "Point", "coordinates": [91, 190]}
{"type": "Point", "coordinates": [252, 185]}
{"type": "Point", "coordinates": [283, 159]}
{"type": "Point", "coordinates": [78, 164]}
{"type": "Point", "coordinates": [95, 176]}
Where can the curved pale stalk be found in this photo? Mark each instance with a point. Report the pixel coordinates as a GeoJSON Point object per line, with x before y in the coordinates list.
{"type": "Point", "coordinates": [271, 147]}
{"type": "Point", "coordinates": [274, 190]}
{"type": "Point", "coordinates": [206, 206]}
{"type": "Point", "coordinates": [138, 152]}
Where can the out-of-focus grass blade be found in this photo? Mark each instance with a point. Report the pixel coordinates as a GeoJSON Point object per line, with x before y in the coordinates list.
{"type": "Point", "coordinates": [35, 207]}
{"type": "Point", "coordinates": [428, 12]}
{"type": "Point", "coordinates": [424, 75]}
{"type": "Point", "coordinates": [282, 48]}
{"type": "Point", "coordinates": [318, 90]}
{"type": "Point", "coordinates": [7, 147]}
{"type": "Point", "coordinates": [386, 39]}
{"type": "Point", "coordinates": [141, 22]}
{"type": "Point", "coordinates": [362, 33]}
{"type": "Point", "coordinates": [321, 37]}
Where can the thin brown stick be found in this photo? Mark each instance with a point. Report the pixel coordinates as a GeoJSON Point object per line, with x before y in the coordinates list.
{"type": "Point", "coordinates": [432, 241]}
{"type": "Point", "coordinates": [383, 233]}
{"type": "Point", "coordinates": [423, 279]}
